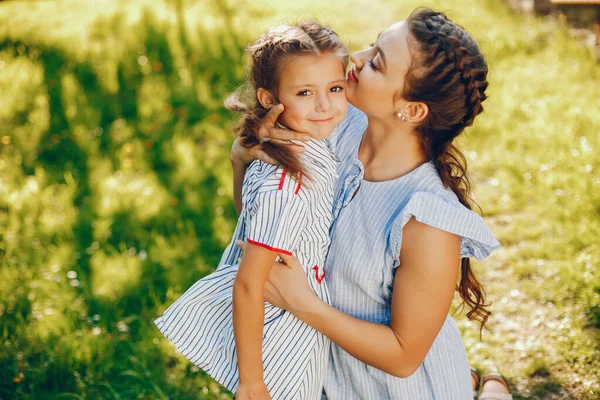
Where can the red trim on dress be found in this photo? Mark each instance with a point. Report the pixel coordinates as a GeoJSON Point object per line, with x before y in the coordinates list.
{"type": "Point", "coordinates": [299, 184]}
{"type": "Point", "coordinates": [281, 180]}
{"type": "Point", "coordinates": [319, 279]}
{"type": "Point", "coordinates": [266, 246]}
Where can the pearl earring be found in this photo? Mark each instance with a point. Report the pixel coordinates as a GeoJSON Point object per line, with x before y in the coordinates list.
{"type": "Point", "coordinates": [403, 118]}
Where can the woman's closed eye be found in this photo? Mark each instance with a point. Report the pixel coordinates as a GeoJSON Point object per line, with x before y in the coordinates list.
{"type": "Point", "coordinates": [372, 64]}
{"type": "Point", "coordinates": [371, 61]}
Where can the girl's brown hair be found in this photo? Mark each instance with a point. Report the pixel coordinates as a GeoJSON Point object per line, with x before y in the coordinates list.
{"type": "Point", "coordinates": [448, 73]}
{"type": "Point", "coordinates": [268, 56]}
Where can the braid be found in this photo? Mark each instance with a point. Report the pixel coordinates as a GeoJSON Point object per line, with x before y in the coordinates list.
{"type": "Point", "coordinates": [455, 63]}
{"type": "Point", "coordinates": [448, 73]}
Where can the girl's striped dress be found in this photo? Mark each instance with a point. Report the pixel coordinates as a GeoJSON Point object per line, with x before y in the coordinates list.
{"type": "Point", "coordinates": [287, 216]}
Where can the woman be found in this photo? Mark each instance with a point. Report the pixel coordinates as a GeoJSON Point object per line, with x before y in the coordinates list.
{"type": "Point", "coordinates": [403, 223]}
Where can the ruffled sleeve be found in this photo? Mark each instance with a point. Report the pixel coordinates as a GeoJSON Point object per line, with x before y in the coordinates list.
{"type": "Point", "coordinates": [278, 216]}
{"type": "Point", "coordinates": [447, 214]}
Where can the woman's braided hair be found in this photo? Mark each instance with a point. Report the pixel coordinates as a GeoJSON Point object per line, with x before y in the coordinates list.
{"type": "Point", "coordinates": [448, 74]}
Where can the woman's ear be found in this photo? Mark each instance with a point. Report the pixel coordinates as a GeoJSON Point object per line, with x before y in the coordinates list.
{"type": "Point", "coordinates": [416, 111]}
{"type": "Point", "coordinates": [266, 99]}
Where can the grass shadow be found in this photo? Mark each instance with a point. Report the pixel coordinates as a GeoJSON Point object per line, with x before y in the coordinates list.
{"type": "Point", "coordinates": [76, 143]}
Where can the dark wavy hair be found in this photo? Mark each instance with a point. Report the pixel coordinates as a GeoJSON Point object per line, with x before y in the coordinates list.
{"type": "Point", "coordinates": [268, 56]}
{"type": "Point", "coordinates": [449, 74]}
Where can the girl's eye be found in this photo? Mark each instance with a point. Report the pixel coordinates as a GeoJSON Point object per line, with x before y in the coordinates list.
{"type": "Point", "coordinates": [372, 64]}
{"type": "Point", "coordinates": [303, 93]}
{"type": "Point", "coordinates": [337, 89]}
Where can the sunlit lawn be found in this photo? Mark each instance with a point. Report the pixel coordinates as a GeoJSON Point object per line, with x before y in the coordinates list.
{"type": "Point", "coordinates": [115, 191]}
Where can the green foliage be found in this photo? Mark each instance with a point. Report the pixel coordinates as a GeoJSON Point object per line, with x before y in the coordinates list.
{"type": "Point", "coordinates": [115, 198]}
{"type": "Point", "coordinates": [115, 191]}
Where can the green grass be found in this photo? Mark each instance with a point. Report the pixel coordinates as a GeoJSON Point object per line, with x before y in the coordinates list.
{"type": "Point", "coordinates": [115, 191]}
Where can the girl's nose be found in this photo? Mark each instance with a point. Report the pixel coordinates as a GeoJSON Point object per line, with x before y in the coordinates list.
{"type": "Point", "coordinates": [323, 103]}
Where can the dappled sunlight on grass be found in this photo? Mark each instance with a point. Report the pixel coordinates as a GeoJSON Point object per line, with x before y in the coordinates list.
{"type": "Point", "coordinates": [127, 192]}
{"type": "Point", "coordinates": [107, 161]}
{"type": "Point", "coordinates": [37, 208]}
{"type": "Point", "coordinates": [115, 187]}
{"type": "Point", "coordinates": [187, 172]}
{"type": "Point", "coordinates": [114, 276]}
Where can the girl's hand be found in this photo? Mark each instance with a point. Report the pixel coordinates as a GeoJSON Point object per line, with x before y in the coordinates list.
{"type": "Point", "coordinates": [287, 284]}
{"type": "Point", "coordinates": [267, 133]}
{"type": "Point", "coordinates": [257, 391]}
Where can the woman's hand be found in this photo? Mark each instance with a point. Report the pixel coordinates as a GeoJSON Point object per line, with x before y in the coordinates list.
{"type": "Point", "coordinates": [267, 132]}
{"type": "Point", "coordinates": [287, 284]}
{"type": "Point", "coordinates": [256, 391]}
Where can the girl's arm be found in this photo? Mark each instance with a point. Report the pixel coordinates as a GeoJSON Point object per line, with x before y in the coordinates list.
{"type": "Point", "coordinates": [423, 291]}
{"type": "Point", "coordinates": [248, 311]}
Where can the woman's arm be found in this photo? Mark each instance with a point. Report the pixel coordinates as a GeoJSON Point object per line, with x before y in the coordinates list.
{"type": "Point", "coordinates": [239, 171]}
{"type": "Point", "coordinates": [242, 156]}
{"type": "Point", "coordinates": [423, 291]}
{"type": "Point", "coordinates": [248, 311]}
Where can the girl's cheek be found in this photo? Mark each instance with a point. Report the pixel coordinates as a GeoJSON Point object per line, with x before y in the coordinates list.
{"type": "Point", "coordinates": [294, 111]}
{"type": "Point", "coordinates": [291, 116]}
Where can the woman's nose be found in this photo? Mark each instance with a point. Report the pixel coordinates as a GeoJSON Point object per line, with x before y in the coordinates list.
{"type": "Point", "coordinates": [357, 59]}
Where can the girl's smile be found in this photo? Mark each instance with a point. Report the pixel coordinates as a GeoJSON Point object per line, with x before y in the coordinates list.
{"type": "Point", "coordinates": [322, 121]}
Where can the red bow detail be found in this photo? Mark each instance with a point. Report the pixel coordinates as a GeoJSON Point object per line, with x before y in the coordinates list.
{"type": "Point", "coordinates": [319, 278]}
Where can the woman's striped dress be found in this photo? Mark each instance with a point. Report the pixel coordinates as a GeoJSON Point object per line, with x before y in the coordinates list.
{"type": "Point", "coordinates": [366, 237]}
{"type": "Point", "coordinates": [283, 215]}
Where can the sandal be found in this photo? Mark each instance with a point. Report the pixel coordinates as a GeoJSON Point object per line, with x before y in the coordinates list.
{"type": "Point", "coordinates": [495, 376]}
{"type": "Point", "coordinates": [477, 375]}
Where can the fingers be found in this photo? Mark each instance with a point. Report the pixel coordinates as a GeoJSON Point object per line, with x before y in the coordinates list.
{"type": "Point", "coordinates": [267, 130]}
{"type": "Point", "coordinates": [271, 117]}
{"type": "Point", "coordinates": [241, 244]}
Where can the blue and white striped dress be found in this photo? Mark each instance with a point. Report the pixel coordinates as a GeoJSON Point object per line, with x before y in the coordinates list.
{"type": "Point", "coordinates": [366, 237]}
{"type": "Point", "coordinates": [284, 215]}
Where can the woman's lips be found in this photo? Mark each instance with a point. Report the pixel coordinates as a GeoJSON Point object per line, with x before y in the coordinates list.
{"type": "Point", "coordinates": [352, 76]}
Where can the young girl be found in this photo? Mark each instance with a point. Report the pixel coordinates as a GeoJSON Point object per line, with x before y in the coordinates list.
{"type": "Point", "coordinates": [222, 323]}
